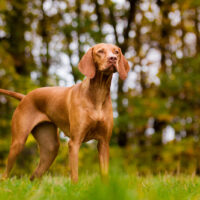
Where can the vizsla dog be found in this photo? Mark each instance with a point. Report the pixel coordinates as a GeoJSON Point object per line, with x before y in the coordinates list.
{"type": "Point", "coordinates": [83, 112]}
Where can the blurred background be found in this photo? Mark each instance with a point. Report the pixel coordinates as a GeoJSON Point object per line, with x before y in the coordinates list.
{"type": "Point", "coordinates": [156, 110]}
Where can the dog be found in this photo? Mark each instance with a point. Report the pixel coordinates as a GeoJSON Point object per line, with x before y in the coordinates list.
{"type": "Point", "coordinates": [83, 112]}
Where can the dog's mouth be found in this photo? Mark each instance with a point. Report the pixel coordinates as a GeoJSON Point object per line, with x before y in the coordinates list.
{"type": "Point", "coordinates": [112, 64]}
{"type": "Point", "coordinates": [111, 68]}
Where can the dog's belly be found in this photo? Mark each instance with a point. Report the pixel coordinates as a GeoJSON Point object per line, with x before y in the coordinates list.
{"type": "Point", "coordinates": [63, 126]}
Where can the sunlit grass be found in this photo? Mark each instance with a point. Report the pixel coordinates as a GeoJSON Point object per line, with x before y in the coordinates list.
{"type": "Point", "coordinates": [119, 186]}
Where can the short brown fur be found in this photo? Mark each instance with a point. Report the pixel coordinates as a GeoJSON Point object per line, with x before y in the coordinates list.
{"type": "Point", "coordinates": [83, 112]}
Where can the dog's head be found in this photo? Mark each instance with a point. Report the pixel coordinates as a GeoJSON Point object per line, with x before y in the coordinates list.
{"type": "Point", "coordinates": [106, 58]}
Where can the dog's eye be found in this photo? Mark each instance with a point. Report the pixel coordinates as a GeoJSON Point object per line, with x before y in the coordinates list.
{"type": "Point", "coordinates": [101, 51]}
{"type": "Point", "coordinates": [116, 51]}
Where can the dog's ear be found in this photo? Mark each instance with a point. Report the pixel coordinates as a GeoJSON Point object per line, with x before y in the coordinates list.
{"type": "Point", "coordinates": [86, 65]}
{"type": "Point", "coordinates": [123, 67]}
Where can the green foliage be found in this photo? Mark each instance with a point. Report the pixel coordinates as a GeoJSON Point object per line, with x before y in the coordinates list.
{"type": "Point", "coordinates": [182, 87]}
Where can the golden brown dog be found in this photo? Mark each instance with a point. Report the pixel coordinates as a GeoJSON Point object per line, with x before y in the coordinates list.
{"type": "Point", "coordinates": [83, 112]}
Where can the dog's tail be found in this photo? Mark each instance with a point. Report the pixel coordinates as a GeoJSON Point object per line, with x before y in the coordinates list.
{"type": "Point", "coordinates": [12, 94]}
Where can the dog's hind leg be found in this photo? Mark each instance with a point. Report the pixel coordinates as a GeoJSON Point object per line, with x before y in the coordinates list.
{"type": "Point", "coordinates": [25, 118]}
{"type": "Point", "coordinates": [15, 148]}
{"type": "Point", "coordinates": [21, 128]}
{"type": "Point", "coordinates": [47, 137]}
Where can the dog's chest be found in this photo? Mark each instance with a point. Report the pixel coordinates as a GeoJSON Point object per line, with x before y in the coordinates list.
{"type": "Point", "coordinates": [97, 124]}
{"type": "Point", "coordinates": [97, 114]}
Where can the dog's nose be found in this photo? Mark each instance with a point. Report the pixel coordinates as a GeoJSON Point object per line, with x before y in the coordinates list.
{"type": "Point", "coordinates": [112, 58]}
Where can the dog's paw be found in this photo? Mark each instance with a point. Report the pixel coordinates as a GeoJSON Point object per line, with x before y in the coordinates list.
{"type": "Point", "coordinates": [3, 178]}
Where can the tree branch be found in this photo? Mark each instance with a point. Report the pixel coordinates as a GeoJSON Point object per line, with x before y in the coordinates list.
{"type": "Point", "coordinates": [131, 16]}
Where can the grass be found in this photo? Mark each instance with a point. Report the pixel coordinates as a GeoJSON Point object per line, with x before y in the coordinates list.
{"type": "Point", "coordinates": [119, 187]}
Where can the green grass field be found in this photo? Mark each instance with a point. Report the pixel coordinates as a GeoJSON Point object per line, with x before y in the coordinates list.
{"type": "Point", "coordinates": [90, 187]}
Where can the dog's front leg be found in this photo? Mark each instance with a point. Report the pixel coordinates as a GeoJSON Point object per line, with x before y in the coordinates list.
{"type": "Point", "coordinates": [73, 159]}
{"type": "Point", "coordinates": [103, 149]}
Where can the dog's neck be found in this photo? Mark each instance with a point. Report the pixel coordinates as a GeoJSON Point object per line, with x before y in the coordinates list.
{"type": "Point", "coordinates": [98, 88]}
